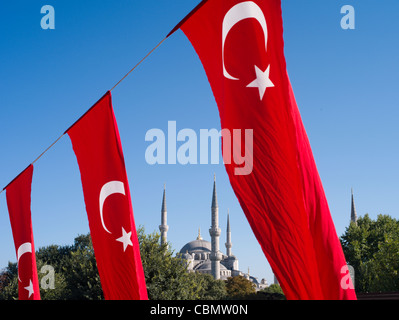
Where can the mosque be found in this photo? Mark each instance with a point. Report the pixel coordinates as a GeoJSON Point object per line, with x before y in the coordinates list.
{"type": "Point", "coordinates": [205, 257]}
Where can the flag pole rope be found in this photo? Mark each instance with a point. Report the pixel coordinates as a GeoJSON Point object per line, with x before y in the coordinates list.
{"type": "Point", "coordinates": [125, 76]}
{"type": "Point", "coordinates": [42, 154]}
{"type": "Point", "coordinates": [140, 62]}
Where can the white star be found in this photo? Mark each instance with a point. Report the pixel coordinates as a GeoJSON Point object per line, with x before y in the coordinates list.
{"type": "Point", "coordinates": [125, 239]}
{"type": "Point", "coordinates": [29, 288]}
{"type": "Point", "coordinates": [262, 81]}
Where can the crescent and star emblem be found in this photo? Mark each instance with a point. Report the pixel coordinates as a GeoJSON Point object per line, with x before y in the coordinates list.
{"type": "Point", "coordinates": [239, 12]}
{"type": "Point", "coordinates": [108, 189]}
{"type": "Point", "coordinates": [25, 248]}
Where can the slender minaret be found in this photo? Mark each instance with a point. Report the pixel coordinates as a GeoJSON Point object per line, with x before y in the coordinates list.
{"type": "Point", "coordinates": [214, 232]}
{"type": "Point", "coordinates": [353, 210]}
{"type": "Point", "coordinates": [228, 236]}
{"type": "Point", "coordinates": [163, 227]}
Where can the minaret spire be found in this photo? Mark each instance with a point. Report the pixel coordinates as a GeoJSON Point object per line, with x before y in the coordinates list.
{"type": "Point", "coordinates": [214, 195]}
{"type": "Point", "coordinates": [164, 227]}
{"type": "Point", "coordinates": [228, 236]}
{"type": "Point", "coordinates": [199, 234]}
{"type": "Point", "coordinates": [353, 210]}
{"type": "Point", "coordinates": [214, 232]}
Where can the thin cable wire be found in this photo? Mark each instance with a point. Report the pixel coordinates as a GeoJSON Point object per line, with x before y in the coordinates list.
{"type": "Point", "coordinates": [126, 75]}
{"type": "Point", "coordinates": [42, 154]}
{"type": "Point", "coordinates": [140, 62]}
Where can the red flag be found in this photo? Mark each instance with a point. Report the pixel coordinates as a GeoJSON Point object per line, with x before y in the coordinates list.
{"type": "Point", "coordinates": [97, 146]}
{"type": "Point", "coordinates": [240, 44]}
{"type": "Point", "coordinates": [18, 195]}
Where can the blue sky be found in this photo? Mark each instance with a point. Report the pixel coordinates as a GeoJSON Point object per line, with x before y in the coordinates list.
{"type": "Point", "coordinates": [345, 82]}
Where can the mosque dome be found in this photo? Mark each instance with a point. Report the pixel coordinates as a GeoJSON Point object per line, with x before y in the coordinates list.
{"type": "Point", "coordinates": [197, 254]}
{"type": "Point", "coordinates": [196, 246]}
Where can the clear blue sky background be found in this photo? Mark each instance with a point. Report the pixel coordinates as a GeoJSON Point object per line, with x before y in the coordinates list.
{"type": "Point", "coordinates": [345, 82]}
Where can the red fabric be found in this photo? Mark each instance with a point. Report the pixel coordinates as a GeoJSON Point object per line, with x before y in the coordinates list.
{"type": "Point", "coordinates": [97, 146]}
{"type": "Point", "coordinates": [282, 197]}
{"type": "Point", "coordinates": [18, 195]}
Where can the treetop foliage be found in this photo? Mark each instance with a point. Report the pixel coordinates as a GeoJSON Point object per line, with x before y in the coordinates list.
{"type": "Point", "coordinates": [76, 275]}
{"type": "Point", "coordinates": [371, 247]}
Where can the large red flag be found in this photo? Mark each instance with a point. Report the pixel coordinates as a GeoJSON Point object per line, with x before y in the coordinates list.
{"type": "Point", "coordinates": [240, 44]}
{"type": "Point", "coordinates": [97, 146]}
{"type": "Point", "coordinates": [18, 195]}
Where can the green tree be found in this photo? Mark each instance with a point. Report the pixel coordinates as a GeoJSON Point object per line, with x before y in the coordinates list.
{"type": "Point", "coordinates": [80, 271]}
{"type": "Point", "coordinates": [371, 247]}
{"type": "Point", "coordinates": [75, 272]}
{"type": "Point", "coordinates": [76, 275]}
{"type": "Point", "coordinates": [238, 287]}
{"type": "Point", "coordinates": [273, 288]}
{"type": "Point", "coordinates": [3, 280]}
{"type": "Point", "coordinates": [166, 276]}
{"type": "Point", "coordinates": [272, 292]}
{"type": "Point", "coordinates": [207, 288]}
{"type": "Point", "coordinates": [9, 282]}
{"type": "Point", "coordinates": [60, 290]}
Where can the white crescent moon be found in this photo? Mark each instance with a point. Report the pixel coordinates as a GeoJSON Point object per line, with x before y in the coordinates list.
{"type": "Point", "coordinates": [241, 11]}
{"type": "Point", "coordinates": [23, 248]}
{"type": "Point", "coordinates": [108, 189]}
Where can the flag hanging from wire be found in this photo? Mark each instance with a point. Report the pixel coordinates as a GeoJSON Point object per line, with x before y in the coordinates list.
{"type": "Point", "coordinates": [240, 44]}
{"type": "Point", "coordinates": [18, 195]}
{"type": "Point", "coordinates": [97, 146]}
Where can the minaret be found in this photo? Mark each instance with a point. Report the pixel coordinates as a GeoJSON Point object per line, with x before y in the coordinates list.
{"type": "Point", "coordinates": [163, 227]}
{"type": "Point", "coordinates": [353, 210]}
{"type": "Point", "coordinates": [214, 232]}
{"type": "Point", "coordinates": [228, 236]}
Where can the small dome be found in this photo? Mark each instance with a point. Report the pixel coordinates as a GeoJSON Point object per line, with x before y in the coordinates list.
{"type": "Point", "coordinates": [187, 256]}
{"type": "Point", "coordinates": [254, 279]}
{"type": "Point", "coordinates": [196, 246]}
{"type": "Point", "coordinates": [207, 266]}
